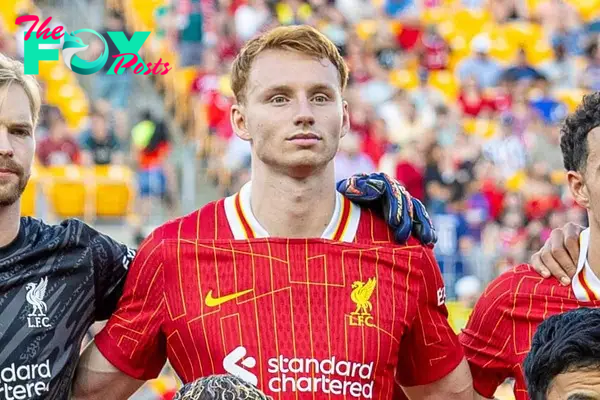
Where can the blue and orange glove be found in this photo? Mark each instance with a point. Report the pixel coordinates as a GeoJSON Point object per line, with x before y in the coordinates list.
{"type": "Point", "coordinates": [403, 213]}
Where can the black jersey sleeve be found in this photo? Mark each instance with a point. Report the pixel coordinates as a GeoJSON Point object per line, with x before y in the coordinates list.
{"type": "Point", "coordinates": [110, 261]}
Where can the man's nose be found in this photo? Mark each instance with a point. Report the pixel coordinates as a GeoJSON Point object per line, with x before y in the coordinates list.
{"type": "Point", "coordinates": [6, 149]}
{"type": "Point", "coordinates": [304, 115]}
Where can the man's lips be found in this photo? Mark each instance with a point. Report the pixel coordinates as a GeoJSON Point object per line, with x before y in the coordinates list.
{"type": "Point", "coordinates": [305, 136]}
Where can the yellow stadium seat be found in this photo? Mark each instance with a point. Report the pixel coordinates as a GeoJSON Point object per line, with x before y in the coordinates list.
{"type": "Point", "coordinates": [460, 51]}
{"type": "Point", "coordinates": [588, 9]}
{"type": "Point", "coordinates": [144, 12]}
{"type": "Point", "coordinates": [503, 50]}
{"type": "Point", "coordinates": [29, 197]}
{"type": "Point", "coordinates": [532, 5]}
{"type": "Point", "coordinates": [76, 112]}
{"type": "Point", "coordinates": [539, 53]}
{"type": "Point", "coordinates": [480, 127]}
{"type": "Point", "coordinates": [446, 82]}
{"type": "Point", "coordinates": [571, 97]}
{"type": "Point", "coordinates": [458, 315]}
{"type": "Point", "coordinates": [515, 183]}
{"type": "Point", "coordinates": [64, 94]}
{"type": "Point", "coordinates": [435, 15]}
{"type": "Point", "coordinates": [404, 79]}
{"type": "Point", "coordinates": [60, 74]}
{"type": "Point", "coordinates": [558, 177]}
{"type": "Point", "coordinates": [65, 191]}
{"type": "Point", "coordinates": [522, 34]}
{"type": "Point", "coordinates": [470, 23]}
{"type": "Point", "coordinates": [113, 191]}
{"type": "Point", "coordinates": [366, 28]}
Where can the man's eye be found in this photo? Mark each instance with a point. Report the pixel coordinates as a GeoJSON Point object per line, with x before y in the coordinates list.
{"type": "Point", "coordinates": [278, 99]}
{"type": "Point", "coordinates": [19, 132]}
{"type": "Point", "coordinates": [320, 98]}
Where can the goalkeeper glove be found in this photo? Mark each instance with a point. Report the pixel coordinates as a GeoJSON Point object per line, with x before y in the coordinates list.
{"type": "Point", "coordinates": [403, 213]}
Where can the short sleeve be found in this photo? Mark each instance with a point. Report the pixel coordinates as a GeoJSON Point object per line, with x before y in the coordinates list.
{"type": "Point", "coordinates": [133, 340]}
{"type": "Point", "coordinates": [487, 337]}
{"type": "Point", "coordinates": [430, 350]}
{"type": "Point", "coordinates": [110, 261]}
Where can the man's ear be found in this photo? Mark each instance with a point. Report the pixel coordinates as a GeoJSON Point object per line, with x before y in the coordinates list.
{"type": "Point", "coordinates": [578, 188]}
{"type": "Point", "coordinates": [238, 121]}
{"type": "Point", "coordinates": [345, 119]}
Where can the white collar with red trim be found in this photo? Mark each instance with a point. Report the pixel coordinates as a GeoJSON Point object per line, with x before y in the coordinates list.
{"type": "Point", "coordinates": [585, 279]}
{"type": "Point", "coordinates": [342, 226]}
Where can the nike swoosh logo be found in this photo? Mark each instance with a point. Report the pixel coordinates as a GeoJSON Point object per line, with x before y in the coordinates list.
{"type": "Point", "coordinates": [211, 301]}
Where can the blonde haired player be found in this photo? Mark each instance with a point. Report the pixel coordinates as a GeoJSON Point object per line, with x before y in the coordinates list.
{"type": "Point", "coordinates": [57, 280]}
{"type": "Point", "coordinates": [286, 284]}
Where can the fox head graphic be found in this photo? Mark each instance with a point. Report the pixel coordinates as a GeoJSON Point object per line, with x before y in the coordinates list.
{"type": "Point", "coordinates": [73, 45]}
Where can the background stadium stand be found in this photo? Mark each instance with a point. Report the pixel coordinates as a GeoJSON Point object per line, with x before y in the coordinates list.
{"type": "Point", "coordinates": [461, 100]}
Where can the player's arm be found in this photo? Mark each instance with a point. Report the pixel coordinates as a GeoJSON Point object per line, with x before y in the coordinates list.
{"type": "Point", "coordinates": [432, 364]}
{"type": "Point", "coordinates": [131, 348]}
{"type": "Point", "coordinates": [110, 261]}
{"type": "Point", "coordinates": [488, 337]}
{"type": "Point", "coordinates": [558, 257]}
{"type": "Point", "coordinates": [98, 379]}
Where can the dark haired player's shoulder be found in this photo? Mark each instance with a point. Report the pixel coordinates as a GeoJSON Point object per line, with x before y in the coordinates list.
{"type": "Point", "coordinates": [55, 281]}
{"type": "Point", "coordinates": [498, 333]}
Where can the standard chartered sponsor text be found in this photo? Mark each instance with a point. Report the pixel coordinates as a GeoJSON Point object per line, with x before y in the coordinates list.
{"type": "Point", "coordinates": [19, 382]}
{"type": "Point", "coordinates": [324, 376]}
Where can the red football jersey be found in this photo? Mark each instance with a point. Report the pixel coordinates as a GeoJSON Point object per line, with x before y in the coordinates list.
{"type": "Point", "coordinates": [342, 316]}
{"type": "Point", "coordinates": [500, 330]}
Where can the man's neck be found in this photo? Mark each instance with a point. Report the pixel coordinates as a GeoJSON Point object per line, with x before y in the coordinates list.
{"type": "Point", "coordinates": [10, 222]}
{"type": "Point", "coordinates": [290, 207]}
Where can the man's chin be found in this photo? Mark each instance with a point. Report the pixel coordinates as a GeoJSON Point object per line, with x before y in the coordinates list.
{"type": "Point", "coordinates": [10, 194]}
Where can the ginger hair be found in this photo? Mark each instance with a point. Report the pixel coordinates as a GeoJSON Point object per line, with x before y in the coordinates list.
{"type": "Point", "coordinates": [302, 39]}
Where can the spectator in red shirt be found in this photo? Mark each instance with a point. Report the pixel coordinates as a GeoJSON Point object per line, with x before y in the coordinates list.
{"type": "Point", "coordinates": [435, 52]}
{"type": "Point", "coordinates": [59, 147]}
{"type": "Point", "coordinates": [471, 99]}
{"type": "Point", "coordinates": [375, 142]}
{"type": "Point", "coordinates": [409, 171]}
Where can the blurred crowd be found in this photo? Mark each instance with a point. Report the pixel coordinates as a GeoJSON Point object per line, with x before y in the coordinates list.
{"type": "Point", "coordinates": [469, 128]}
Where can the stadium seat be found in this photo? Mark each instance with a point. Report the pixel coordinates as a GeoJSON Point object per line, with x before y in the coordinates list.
{"type": "Point", "coordinates": [29, 196]}
{"type": "Point", "coordinates": [143, 13]}
{"type": "Point", "coordinates": [571, 97]}
{"type": "Point", "coordinates": [76, 113]}
{"type": "Point", "coordinates": [470, 23]}
{"type": "Point", "coordinates": [75, 191]}
{"type": "Point", "coordinates": [522, 34]}
{"type": "Point", "coordinates": [10, 11]}
{"type": "Point", "coordinates": [460, 50]}
{"type": "Point", "coordinates": [114, 191]}
{"type": "Point", "coordinates": [435, 15]}
{"type": "Point", "coordinates": [404, 79]}
{"type": "Point", "coordinates": [445, 82]}
{"type": "Point", "coordinates": [539, 53]}
{"type": "Point", "coordinates": [480, 127]}
{"type": "Point", "coordinates": [65, 191]}
{"type": "Point", "coordinates": [588, 9]}
{"type": "Point", "coordinates": [502, 48]}
{"type": "Point", "coordinates": [366, 28]}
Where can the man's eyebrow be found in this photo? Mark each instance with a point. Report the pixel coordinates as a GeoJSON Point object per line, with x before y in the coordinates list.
{"type": "Point", "coordinates": [581, 396]}
{"type": "Point", "coordinates": [322, 86]}
{"type": "Point", "coordinates": [17, 124]}
{"type": "Point", "coordinates": [278, 88]}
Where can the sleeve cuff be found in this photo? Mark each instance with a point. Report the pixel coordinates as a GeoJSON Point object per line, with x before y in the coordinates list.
{"type": "Point", "coordinates": [110, 350]}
